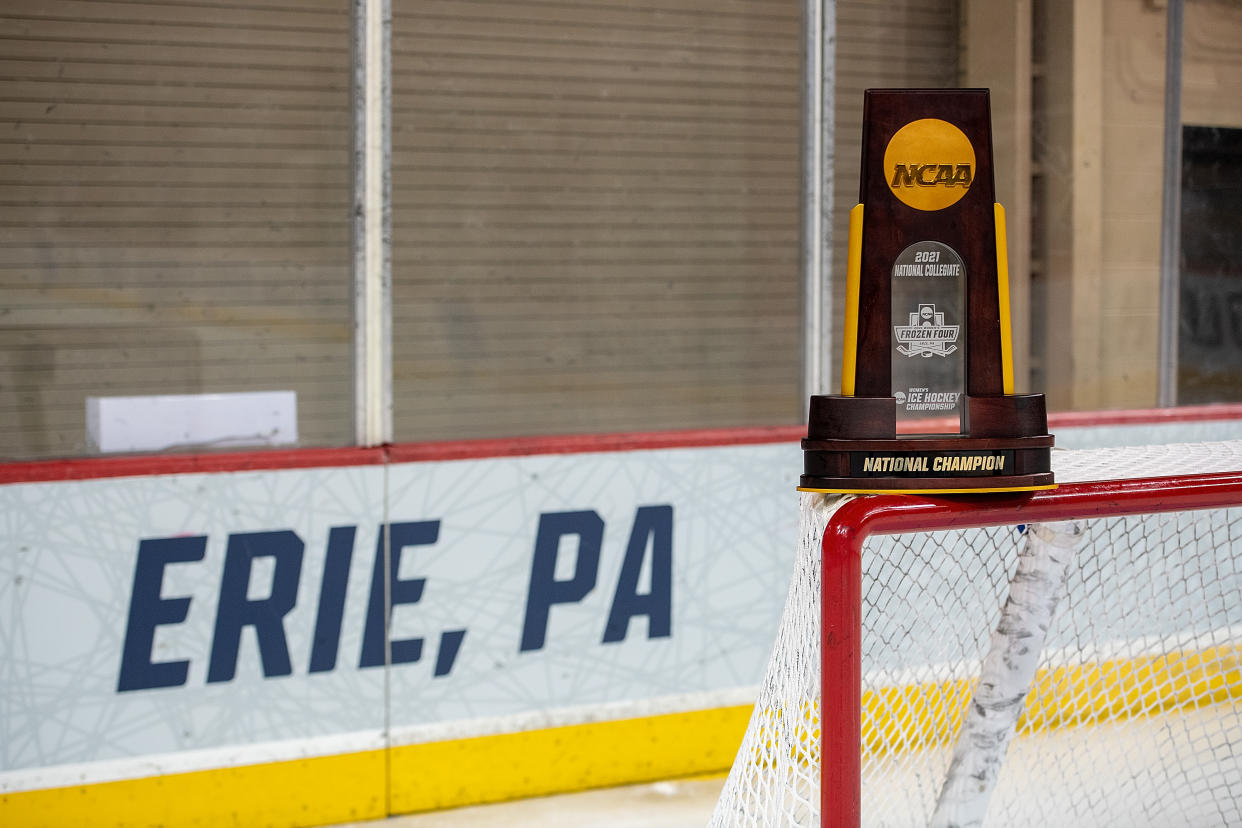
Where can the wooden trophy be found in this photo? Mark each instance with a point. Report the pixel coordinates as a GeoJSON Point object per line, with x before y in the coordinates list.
{"type": "Point", "coordinates": [927, 315]}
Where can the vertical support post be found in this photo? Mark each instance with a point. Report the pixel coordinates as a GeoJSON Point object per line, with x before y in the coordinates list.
{"type": "Point", "coordinates": [372, 222]}
{"type": "Point", "coordinates": [1171, 208]}
{"type": "Point", "coordinates": [819, 74]}
{"type": "Point", "coordinates": [841, 689]}
{"type": "Point", "coordinates": [997, 55]}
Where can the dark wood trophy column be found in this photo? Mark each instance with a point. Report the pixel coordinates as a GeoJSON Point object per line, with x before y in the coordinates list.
{"type": "Point", "coordinates": [927, 315]}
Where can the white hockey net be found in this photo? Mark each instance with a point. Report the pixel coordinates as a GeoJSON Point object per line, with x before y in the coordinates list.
{"type": "Point", "coordinates": [1130, 711]}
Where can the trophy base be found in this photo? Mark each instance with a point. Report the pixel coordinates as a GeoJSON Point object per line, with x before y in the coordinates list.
{"type": "Point", "coordinates": [1016, 483]}
{"type": "Point", "coordinates": [852, 447]}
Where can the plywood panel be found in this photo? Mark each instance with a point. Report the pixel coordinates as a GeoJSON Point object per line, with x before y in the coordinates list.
{"type": "Point", "coordinates": [1212, 64]}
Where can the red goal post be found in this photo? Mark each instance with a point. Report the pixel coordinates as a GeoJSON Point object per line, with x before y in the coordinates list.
{"type": "Point", "coordinates": [842, 600]}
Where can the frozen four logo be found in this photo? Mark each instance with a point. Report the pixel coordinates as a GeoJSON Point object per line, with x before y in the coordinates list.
{"type": "Point", "coordinates": [926, 335]}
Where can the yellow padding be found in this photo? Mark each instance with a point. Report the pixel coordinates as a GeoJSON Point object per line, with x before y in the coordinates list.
{"type": "Point", "coordinates": [853, 273]}
{"type": "Point", "coordinates": [1002, 287]}
{"type": "Point", "coordinates": [534, 763]}
{"type": "Point", "coordinates": [317, 791]}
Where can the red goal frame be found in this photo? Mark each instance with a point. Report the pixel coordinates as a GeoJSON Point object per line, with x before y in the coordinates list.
{"type": "Point", "coordinates": [841, 607]}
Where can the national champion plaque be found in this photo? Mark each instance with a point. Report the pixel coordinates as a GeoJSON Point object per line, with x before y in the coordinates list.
{"type": "Point", "coordinates": [927, 334]}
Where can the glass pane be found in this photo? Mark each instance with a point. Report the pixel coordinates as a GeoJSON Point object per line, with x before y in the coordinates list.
{"type": "Point", "coordinates": [1210, 330]}
{"type": "Point", "coordinates": [175, 213]}
{"type": "Point", "coordinates": [596, 216]}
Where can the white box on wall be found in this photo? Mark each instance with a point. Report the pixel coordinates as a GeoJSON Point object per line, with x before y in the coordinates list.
{"type": "Point", "coordinates": [192, 421]}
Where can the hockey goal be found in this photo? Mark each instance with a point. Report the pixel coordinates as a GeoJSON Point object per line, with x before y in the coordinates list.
{"type": "Point", "coordinates": [1072, 657]}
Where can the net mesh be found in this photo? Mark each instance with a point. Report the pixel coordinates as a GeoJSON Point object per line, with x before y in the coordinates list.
{"type": "Point", "coordinates": [1135, 707]}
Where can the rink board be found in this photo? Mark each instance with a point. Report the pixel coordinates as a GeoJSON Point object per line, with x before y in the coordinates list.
{"type": "Point", "coordinates": [200, 643]}
{"type": "Point", "coordinates": [188, 646]}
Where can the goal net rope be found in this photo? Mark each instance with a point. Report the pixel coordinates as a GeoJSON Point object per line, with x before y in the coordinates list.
{"type": "Point", "coordinates": [1084, 672]}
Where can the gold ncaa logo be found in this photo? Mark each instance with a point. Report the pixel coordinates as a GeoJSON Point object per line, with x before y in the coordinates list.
{"type": "Point", "coordinates": [929, 164]}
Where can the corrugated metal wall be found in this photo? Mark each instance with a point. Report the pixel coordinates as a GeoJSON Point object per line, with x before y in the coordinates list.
{"type": "Point", "coordinates": [596, 207]}
{"type": "Point", "coordinates": [174, 209]}
{"type": "Point", "coordinates": [596, 215]}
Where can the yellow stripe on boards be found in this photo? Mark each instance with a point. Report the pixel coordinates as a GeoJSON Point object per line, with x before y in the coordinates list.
{"type": "Point", "coordinates": [900, 719]}
{"type": "Point", "coordinates": [1071, 697]}
{"type": "Point", "coordinates": [317, 791]}
{"type": "Point", "coordinates": [853, 273]}
{"type": "Point", "coordinates": [913, 717]}
{"type": "Point", "coordinates": [574, 758]}
{"type": "Point", "coordinates": [424, 777]}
